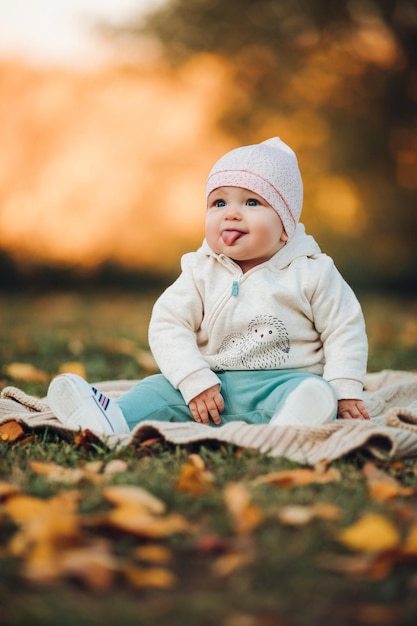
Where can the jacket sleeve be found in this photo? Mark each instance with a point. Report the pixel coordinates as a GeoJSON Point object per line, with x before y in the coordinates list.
{"type": "Point", "coordinates": [338, 318]}
{"type": "Point", "coordinates": [175, 320]}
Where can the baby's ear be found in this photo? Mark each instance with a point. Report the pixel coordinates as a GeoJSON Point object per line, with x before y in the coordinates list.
{"type": "Point", "coordinates": [284, 237]}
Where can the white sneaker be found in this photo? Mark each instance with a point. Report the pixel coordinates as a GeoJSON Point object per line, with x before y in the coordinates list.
{"type": "Point", "coordinates": [78, 404]}
{"type": "Point", "coordinates": [312, 403]}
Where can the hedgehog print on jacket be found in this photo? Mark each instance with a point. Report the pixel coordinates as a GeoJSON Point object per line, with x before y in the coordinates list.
{"type": "Point", "coordinates": [265, 345]}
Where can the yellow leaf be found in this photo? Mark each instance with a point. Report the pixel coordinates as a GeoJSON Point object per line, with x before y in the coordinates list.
{"type": "Point", "coordinates": [73, 367]}
{"type": "Point", "coordinates": [133, 497]}
{"type": "Point", "coordinates": [371, 533]}
{"type": "Point", "coordinates": [26, 372]}
{"type": "Point", "coordinates": [297, 478]}
{"type": "Point", "coordinates": [245, 516]}
{"type": "Point", "coordinates": [153, 553]}
{"type": "Point", "coordinates": [10, 431]}
{"type": "Point", "coordinates": [137, 522]}
{"type": "Point", "coordinates": [149, 577]}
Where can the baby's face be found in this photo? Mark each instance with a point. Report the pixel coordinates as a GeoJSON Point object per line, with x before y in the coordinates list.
{"type": "Point", "coordinates": [243, 226]}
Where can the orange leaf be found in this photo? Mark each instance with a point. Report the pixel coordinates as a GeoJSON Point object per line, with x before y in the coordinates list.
{"type": "Point", "coordinates": [228, 563]}
{"type": "Point", "coordinates": [410, 546]}
{"type": "Point", "coordinates": [149, 577]}
{"type": "Point", "coordinates": [26, 373]}
{"type": "Point", "coordinates": [93, 565]}
{"type": "Point", "coordinates": [369, 566]}
{"type": "Point", "coordinates": [297, 478]}
{"type": "Point", "coordinates": [245, 516]}
{"type": "Point", "coordinates": [136, 522]}
{"type": "Point", "coordinates": [10, 431]}
{"type": "Point", "coordinates": [193, 478]}
{"type": "Point", "coordinates": [153, 553]}
{"type": "Point", "coordinates": [134, 498]}
{"type": "Point", "coordinates": [371, 533]}
{"type": "Point", "coordinates": [382, 486]}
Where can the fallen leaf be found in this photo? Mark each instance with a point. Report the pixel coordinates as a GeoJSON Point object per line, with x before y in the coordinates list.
{"type": "Point", "coordinates": [245, 515]}
{"type": "Point", "coordinates": [137, 522]}
{"type": "Point", "coordinates": [193, 478]}
{"type": "Point", "coordinates": [93, 565]}
{"type": "Point", "coordinates": [297, 478]}
{"type": "Point", "coordinates": [371, 533]}
{"type": "Point", "coordinates": [73, 367]}
{"type": "Point", "coordinates": [368, 566]}
{"type": "Point", "coordinates": [300, 515]}
{"type": "Point", "coordinates": [382, 486]}
{"type": "Point", "coordinates": [133, 497]}
{"type": "Point", "coordinates": [116, 466]}
{"type": "Point", "coordinates": [228, 563]}
{"type": "Point", "coordinates": [158, 577]}
{"type": "Point", "coordinates": [85, 439]}
{"type": "Point", "coordinates": [26, 372]}
{"type": "Point", "coordinates": [11, 431]}
{"type": "Point", "coordinates": [410, 544]}
{"type": "Point", "coordinates": [153, 553]}
{"type": "Point", "coordinates": [58, 473]}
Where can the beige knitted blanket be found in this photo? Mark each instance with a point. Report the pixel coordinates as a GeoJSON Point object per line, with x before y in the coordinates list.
{"type": "Point", "coordinates": [390, 396]}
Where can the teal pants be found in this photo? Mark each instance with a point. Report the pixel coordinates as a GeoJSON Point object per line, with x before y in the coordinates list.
{"type": "Point", "coordinates": [251, 396]}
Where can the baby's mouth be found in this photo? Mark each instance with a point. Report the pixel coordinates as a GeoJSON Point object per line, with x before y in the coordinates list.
{"type": "Point", "coordinates": [230, 236]}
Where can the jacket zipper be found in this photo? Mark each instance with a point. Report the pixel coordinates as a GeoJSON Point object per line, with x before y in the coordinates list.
{"type": "Point", "coordinates": [235, 285]}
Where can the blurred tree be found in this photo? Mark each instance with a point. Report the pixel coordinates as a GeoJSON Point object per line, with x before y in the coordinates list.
{"type": "Point", "coordinates": [338, 81]}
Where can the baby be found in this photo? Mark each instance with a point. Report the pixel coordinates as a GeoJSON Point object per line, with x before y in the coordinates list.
{"type": "Point", "coordinates": [259, 326]}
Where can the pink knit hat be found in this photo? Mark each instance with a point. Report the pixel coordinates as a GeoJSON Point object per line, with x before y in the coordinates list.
{"type": "Point", "coordinates": [269, 169]}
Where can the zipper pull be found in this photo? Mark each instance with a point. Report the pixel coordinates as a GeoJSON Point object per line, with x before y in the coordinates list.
{"type": "Point", "coordinates": [235, 288]}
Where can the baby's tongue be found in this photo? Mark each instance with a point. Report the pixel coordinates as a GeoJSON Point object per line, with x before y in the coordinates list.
{"type": "Point", "coordinates": [230, 236]}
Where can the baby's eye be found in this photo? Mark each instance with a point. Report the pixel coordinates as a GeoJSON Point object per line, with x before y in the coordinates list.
{"type": "Point", "coordinates": [252, 202]}
{"type": "Point", "coordinates": [219, 203]}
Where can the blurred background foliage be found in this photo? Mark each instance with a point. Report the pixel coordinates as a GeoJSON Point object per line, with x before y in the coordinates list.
{"type": "Point", "coordinates": [128, 149]}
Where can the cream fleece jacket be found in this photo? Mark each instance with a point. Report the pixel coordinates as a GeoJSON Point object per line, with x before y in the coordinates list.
{"type": "Point", "coordinates": [294, 311]}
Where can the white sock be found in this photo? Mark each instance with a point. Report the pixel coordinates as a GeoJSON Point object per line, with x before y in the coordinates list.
{"type": "Point", "coordinates": [80, 405]}
{"type": "Point", "coordinates": [312, 403]}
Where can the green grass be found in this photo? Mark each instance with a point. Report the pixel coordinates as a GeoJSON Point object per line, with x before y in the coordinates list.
{"type": "Point", "coordinates": [284, 583]}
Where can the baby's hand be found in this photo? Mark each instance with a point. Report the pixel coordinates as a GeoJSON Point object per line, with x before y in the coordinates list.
{"type": "Point", "coordinates": [208, 403]}
{"type": "Point", "coordinates": [352, 410]}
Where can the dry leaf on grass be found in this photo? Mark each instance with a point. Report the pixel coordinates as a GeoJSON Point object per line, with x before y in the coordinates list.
{"type": "Point", "coordinates": [300, 515]}
{"type": "Point", "coordinates": [193, 477]}
{"type": "Point", "coordinates": [382, 486]}
{"type": "Point", "coordinates": [245, 515]}
{"type": "Point", "coordinates": [297, 478]}
{"type": "Point", "coordinates": [133, 497]}
{"type": "Point", "coordinates": [26, 372]}
{"type": "Point", "coordinates": [371, 533]}
{"type": "Point", "coordinates": [227, 564]}
{"type": "Point", "coordinates": [158, 577]}
{"type": "Point", "coordinates": [11, 431]}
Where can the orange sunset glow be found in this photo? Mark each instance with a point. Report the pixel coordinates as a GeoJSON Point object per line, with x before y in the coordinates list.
{"type": "Point", "coordinates": [107, 166]}
{"type": "Point", "coordinates": [110, 164]}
